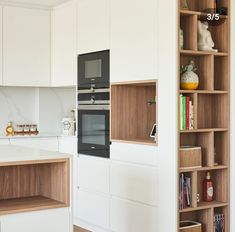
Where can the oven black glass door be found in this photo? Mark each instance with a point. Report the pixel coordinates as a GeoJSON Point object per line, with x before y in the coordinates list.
{"type": "Point", "coordinates": [93, 68]}
{"type": "Point", "coordinates": [93, 132]}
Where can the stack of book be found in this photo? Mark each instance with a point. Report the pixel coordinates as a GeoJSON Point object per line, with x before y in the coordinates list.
{"type": "Point", "coordinates": [185, 191]}
{"type": "Point", "coordinates": [186, 113]}
{"type": "Point", "coordinates": [219, 223]}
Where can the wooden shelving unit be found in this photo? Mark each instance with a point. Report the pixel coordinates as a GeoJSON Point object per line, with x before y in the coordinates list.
{"type": "Point", "coordinates": [133, 111]}
{"type": "Point", "coordinates": [211, 114]}
{"type": "Point", "coordinates": [37, 185]}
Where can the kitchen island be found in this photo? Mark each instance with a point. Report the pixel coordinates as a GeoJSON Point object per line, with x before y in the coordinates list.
{"type": "Point", "coordinates": [34, 190]}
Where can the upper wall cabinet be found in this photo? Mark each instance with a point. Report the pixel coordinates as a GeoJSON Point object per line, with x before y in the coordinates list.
{"type": "Point", "coordinates": [64, 61]}
{"type": "Point", "coordinates": [93, 25]}
{"type": "Point", "coordinates": [26, 47]}
{"type": "Point", "coordinates": [133, 40]}
{"type": "Point", "coordinates": [0, 45]}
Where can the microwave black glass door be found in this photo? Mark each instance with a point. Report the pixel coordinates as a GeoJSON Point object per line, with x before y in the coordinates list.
{"type": "Point", "coordinates": [93, 68]}
{"type": "Point", "coordinates": [93, 132]}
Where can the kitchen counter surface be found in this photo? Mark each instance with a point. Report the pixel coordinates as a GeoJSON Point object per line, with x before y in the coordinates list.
{"type": "Point", "coordinates": [41, 135]}
{"type": "Point", "coordinates": [18, 154]}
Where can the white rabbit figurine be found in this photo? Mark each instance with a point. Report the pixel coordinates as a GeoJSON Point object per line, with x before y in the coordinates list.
{"type": "Point", "coordinates": [205, 42]}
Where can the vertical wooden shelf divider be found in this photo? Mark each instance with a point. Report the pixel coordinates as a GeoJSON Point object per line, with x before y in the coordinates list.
{"type": "Point", "coordinates": [211, 101]}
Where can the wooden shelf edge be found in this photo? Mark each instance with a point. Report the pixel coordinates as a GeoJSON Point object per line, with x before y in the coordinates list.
{"type": "Point", "coordinates": [137, 82]}
{"type": "Point", "coordinates": [205, 130]}
{"type": "Point", "coordinates": [205, 91]}
{"type": "Point", "coordinates": [204, 205]}
{"type": "Point", "coordinates": [219, 167]}
{"type": "Point", "coordinates": [192, 12]}
{"type": "Point", "coordinates": [202, 53]}
{"type": "Point", "coordinates": [28, 204]}
{"type": "Point", "coordinates": [136, 141]}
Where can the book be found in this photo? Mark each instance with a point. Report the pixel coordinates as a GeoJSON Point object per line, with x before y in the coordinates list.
{"type": "Point", "coordinates": [219, 223]}
{"type": "Point", "coordinates": [185, 191]}
{"type": "Point", "coordinates": [184, 113]}
{"type": "Point", "coordinates": [181, 111]}
{"type": "Point", "coordinates": [187, 113]}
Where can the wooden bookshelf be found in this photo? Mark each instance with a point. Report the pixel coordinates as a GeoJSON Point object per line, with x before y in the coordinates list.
{"type": "Point", "coordinates": [211, 114]}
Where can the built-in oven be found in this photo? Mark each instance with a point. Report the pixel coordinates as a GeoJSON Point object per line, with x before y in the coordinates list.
{"type": "Point", "coordinates": [93, 68]}
{"type": "Point", "coordinates": [93, 122]}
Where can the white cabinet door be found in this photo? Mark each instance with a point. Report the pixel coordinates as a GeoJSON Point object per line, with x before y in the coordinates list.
{"type": "Point", "coordinates": [41, 221]}
{"type": "Point", "coordinates": [93, 25]}
{"type": "Point", "coordinates": [1, 54]}
{"type": "Point", "coordinates": [93, 208]}
{"type": "Point", "coordinates": [50, 144]}
{"type": "Point", "coordinates": [126, 216]}
{"type": "Point", "coordinates": [134, 182]}
{"type": "Point", "coordinates": [93, 174]}
{"type": "Point", "coordinates": [26, 44]}
{"type": "Point", "coordinates": [64, 61]}
{"type": "Point", "coordinates": [133, 40]}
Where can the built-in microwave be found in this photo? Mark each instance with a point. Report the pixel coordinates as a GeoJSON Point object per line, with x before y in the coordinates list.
{"type": "Point", "coordinates": [93, 69]}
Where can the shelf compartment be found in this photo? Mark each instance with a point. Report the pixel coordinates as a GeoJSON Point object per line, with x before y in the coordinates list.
{"type": "Point", "coordinates": [205, 217]}
{"type": "Point", "coordinates": [205, 69]}
{"type": "Point", "coordinates": [211, 111]}
{"type": "Point", "coordinates": [221, 148]}
{"type": "Point", "coordinates": [189, 31]}
{"type": "Point", "coordinates": [220, 183]}
{"type": "Point", "coordinates": [225, 211]}
{"type": "Point", "coordinates": [132, 117]}
{"type": "Point", "coordinates": [200, 5]}
{"type": "Point", "coordinates": [30, 183]}
{"type": "Point", "coordinates": [221, 80]}
{"type": "Point", "coordinates": [203, 140]}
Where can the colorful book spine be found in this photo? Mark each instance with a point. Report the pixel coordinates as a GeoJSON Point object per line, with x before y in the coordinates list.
{"type": "Point", "coordinates": [184, 113]}
{"type": "Point", "coordinates": [187, 113]}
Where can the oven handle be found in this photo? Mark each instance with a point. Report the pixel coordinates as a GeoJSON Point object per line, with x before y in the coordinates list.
{"type": "Point", "coordinates": [92, 90]}
{"type": "Point", "coordinates": [93, 107]}
{"type": "Point", "coordinates": [93, 102]}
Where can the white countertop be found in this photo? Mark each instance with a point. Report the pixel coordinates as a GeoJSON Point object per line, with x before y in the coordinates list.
{"type": "Point", "coordinates": [41, 135]}
{"type": "Point", "coordinates": [12, 153]}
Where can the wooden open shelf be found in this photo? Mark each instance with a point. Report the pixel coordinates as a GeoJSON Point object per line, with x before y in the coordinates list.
{"type": "Point", "coordinates": [34, 186]}
{"type": "Point", "coordinates": [211, 113]}
{"type": "Point", "coordinates": [132, 117]}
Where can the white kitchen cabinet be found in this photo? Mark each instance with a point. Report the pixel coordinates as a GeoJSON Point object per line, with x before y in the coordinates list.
{"type": "Point", "coordinates": [127, 216]}
{"type": "Point", "coordinates": [133, 40]}
{"type": "Point", "coordinates": [93, 174]}
{"type": "Point", "coordinates": [64, 45]}
{"type": "Point", "coordinates": [134, 182]}
{"type": "Point", "coordinates": [26, 45]}
{"type": "Point", "coordinates": [134, 153]}
{"type": "Point", "coordinates": [50, 143]}
{"type": "Point", "coordinates": [93, 25]}
{"type": "Point", "coordinates": [1, 52]}
{"type": "Point", "coordinates": [47, 221]}
{"type": "Point", "coordinates": [93, 208]}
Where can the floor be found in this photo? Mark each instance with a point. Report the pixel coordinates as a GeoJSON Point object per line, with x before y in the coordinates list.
{"type": "Point", "coordinates": [77, 229]}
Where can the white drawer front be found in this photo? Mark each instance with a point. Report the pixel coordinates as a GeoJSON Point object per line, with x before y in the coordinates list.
{"type": "Point", "coordinates": [92, 208]}
{"type": "Point", "coordinates": [93, 174]}
{"type": "Point", "coordinates": [132, 217]}
{"type": "Point", "coordinates": [134, 153]}
{"type": "Point", "coordinates": [134, 182]}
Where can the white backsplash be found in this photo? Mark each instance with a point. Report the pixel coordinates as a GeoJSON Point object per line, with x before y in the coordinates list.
{"type": "Point", "coordinates": [43, 106]}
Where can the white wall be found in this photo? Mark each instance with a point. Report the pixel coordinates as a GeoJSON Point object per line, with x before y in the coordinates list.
{"type": "Point", "coordinates": [43, 106]}
{"type": "Point", "coordinates": [167, 115]}
{"type": "Point", "coordinates": [232, 116]}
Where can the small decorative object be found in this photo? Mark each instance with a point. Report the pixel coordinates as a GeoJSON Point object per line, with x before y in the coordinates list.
{"type": "Point", "coordinates": [184, 5]}
{"type": "Point", "coordinates": [190, 157]}
{"type": "Point", "coordinates": [189, 79]}
{"type": "Point", "coordinates": [9, 129]}
{"type": "Point", "coordinates": [26, 130]}
{"type": "Point", "coordinates": [181, 39]}
{"type": "Point", "coordinates": [68, 126]}
{"type": "Point", "coordinates": [205, 42]}
{"type": "Point", "coordinates": [208, 190]}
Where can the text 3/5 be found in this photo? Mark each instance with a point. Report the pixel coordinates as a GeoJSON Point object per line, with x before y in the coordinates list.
{"type": "Point", "coordinates": [212, 17]}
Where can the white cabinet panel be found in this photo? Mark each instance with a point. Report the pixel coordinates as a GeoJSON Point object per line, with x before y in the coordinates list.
{"type": "Point", "coordinates": [50, 144]}
{"type": "Point", "coordinates": [132, 217]}
{"type": "Point", "coordinates": [93, 25]}
{"type": "Point", "coordinates": [133, 40]}
{"type": "Point", "coordinates": [41, 221]}
{"type": "Point", "coordinates": [4, 141]}
{"type": "Point", "coordinates": [93, 174]}
{"type": "Point", "coordinates": [1, 53]}
{"type": "Point", "coordinates": [93, 208]}
{"type": "Point", "coordinates": [140, 154]}
{"type": "Point", "coordinates": [68, 145]}
{"type": "Point", "coordinates": [64, 71]}
{"type": "Point", "coordinates": [26, 45]}
{"type": "Point", "coordinates": [134, 182]}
